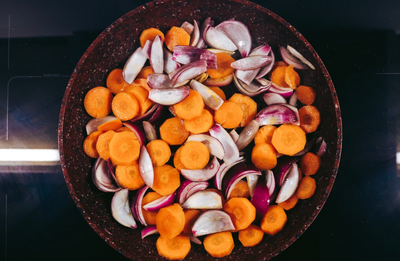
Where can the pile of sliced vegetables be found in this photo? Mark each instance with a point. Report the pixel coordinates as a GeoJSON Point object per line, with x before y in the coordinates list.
{"type": "Point", "coordinates": [188, 164]}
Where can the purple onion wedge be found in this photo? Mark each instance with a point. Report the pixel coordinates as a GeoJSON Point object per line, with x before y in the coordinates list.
{"type": "Point", "coordinates": [169, 64]}
{"type": "Point", "coordinates": [186, 54]}
{"type": "Point", "coordinates": [271, 98]}
{"type": "Point", "coordinates": [210, 98]}
{"type": "Point", "coordinates": [283, 167]}
{"type": "Point", "coordinates": [247, 135]}
{"type": "Point", "coordinates": [188, 27]}
{"type": "Point", "coordinates": [92, 125]}
{"type": "Point", "coordinates": [286, 92]}
{"type": "Point", "coordinates": [201, 43]}
{"type": "Point", "coordinates": [169, 96]}
{"type": "Point", "coordinates": [195, 36]}
{"type": "Point", "coordinates": [217, 39]}
{"type": "Point", "coordinates": [187, 72]}
{"type": "Point", "coordinates": [147, 48]}
{"type": "Point", "coordinates": [158, 113]}
{"type": "Point", "coordinates": [276, 114]}
{"type": "Point", "coordinates": [252, 182]}
{"type": "Point", "coordinates": [234, 135]}
{"type": "Point", "coordinates": [296, 54]}
{"type": "Point", "coordinates": [188, 188]}
{"type": "Point", "coordinates": [270, 181]}
{"type": "Point", "coordinates": [251, 62]}
{"type": "Point", "coordinates": [212, 221]}
{"type": "Point", "coordinates": [309, 144]}
{"type": "Point", "coordinates": [102, 177]}
{"type": "Point", "coordinates": [120, 209]}
{"type": "Point", "coordinates": [195, 240]}
{"type": "Point", "coordinates": [266, 69]}
{"type": "Point", "coordinates": [230, 148]}
{"type": "Point", "coordinates": [203, 174]}
{"type": "Point", "coordinates": [293, 99]}
{"type": "Point", "coordinates": [160, 203]}
{"type": "Point", "coordinates": [213, 145]}
{"type": "Point", "coordinates": [148, 114]}
{"type": "Point", "coordinates": [321, 147]}
{"type": "Point", "coordinates": [149, 131]}
{"type": "Point", "coordinates": [288, 58]}
{"type": "Point", "coordinates": [136, 205]}
{"type": "Point", "coordinates": [137, 130]}
{"type": "Point", "coordinates": [149, 230]}
{"type": "Point", "coordinates": [157, 55]}
{"type": "Point", "coordinates": [238, 33]}
{"type": "Point", "coordinates": [252, 89]}
{"type": "Point", "coordinates": [260, 198]}
{"type": "Point", "coordinates": [204, 199]}
{"type": "Point", "coordinates": [159, 81]}
{"type": "Point", "coordinates": [289, 185]}
{"type": "Point", "coordinates": [219, 81]}
{"type": "Point", "coordinates": [111, 169]}
{"type": "Point", "coordinates": [223, 169]}
{"type": "Point", "coordinates": [146, 169]}
{"type": "Point", "coordinates": [246, 76]}
{"type": "Point", "coordinates": [134, 65]}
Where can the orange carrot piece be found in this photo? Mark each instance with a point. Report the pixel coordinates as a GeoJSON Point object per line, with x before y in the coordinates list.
{"type": "Point", "coordinates": [190, 217]}
{"type": "Point", "coordinates": [240, 190]}
{"type": "Point", "coordinates": [110, 125]}
{"type": "Point", "coordinates": [306, 94]}
{"type": "Point", "coordinates": [176, 248]}
{"type": "Point", "coordinates": [218, 91]}
{"type": "Point", "coordinates": [229, 115]}
{"type": "Point", "coordinates": [166, 179]}
{"type": "Point", "coordinates": [289, 139]}
{"type": "Point", "coordinates": [176, 36]}
{"type": "Point", "coordinates": [122, 129]}
{"type": "Point", "coordinates": [177, 160]}
{"type": "Point", "coordinates": [306, 188]}
{"type": "Point", "coordinates": [144, 72]}
{"type": "Point", "coordinates": [309, 118]}
{"type": "Point", "coordinates": [241, 211]}
{"type": "Point", "coordinates": [115, 81]}
{"type": "Point", "coordinates": [292, 78]}
{"type": "Point", "coordinates": [142, 96]}
{"type": "Point", "coordinates": [224, 68]}
{"type": "Point", "coordinates": [264, 156]}
{"type": "Point", "coordinates": [89, 144]}
{"type": "Point", "coordinates": [274, 220]}
{"type": "Point", "coordinates": [97, 102]}
{"type": "Point", "coordinates": [248, 105]}
{"type": "Point", "coordinates": [310, 163]}
{"type": "Point", "coordinates": [289, 203]}
{"type": "Point", "coordinates": [278, 75]}
{"type": "Point", "coordinates": [191, 107]}
{"type": "Point", "coordinates": [150, 34]}
{"type": "Point", "coordinates": [159, 152]}
{"type": "Point", "coordinates": [124, 148]}
{"type": "Point", "coordinates": [125, 106]}
{"type": "Point", "coordinates": [219, 244]}
{"type": "Point", "coordinates": [170, 221]}
{"type": "Point", "coordinates": [251, 236]}
{"type": "Point", "coordinates": [103, 144]}
{"type": "Point", "coordinates": [129, 176]}
{"type": "Point", "coordinates": [264, 134]}
{"type": "Point", "coordinates": [173, 131]}
{"type": "Point", "coordinates": [200, 124]}
{"type": "Point", "coordinates": [194, 155]}
{"type": "Point", "coordinates": [150, 216]}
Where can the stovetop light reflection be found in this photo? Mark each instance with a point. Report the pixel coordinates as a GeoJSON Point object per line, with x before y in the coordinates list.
{"type": "Point", "coordinates": [29, 155]}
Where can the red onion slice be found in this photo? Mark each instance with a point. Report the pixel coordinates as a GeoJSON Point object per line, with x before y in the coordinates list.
{"type": "Point", "coordinates": [217, 39]}
{"type": "Point", "coordinates": [188, 72]}
{"type": "Point", "coordinates": [275, 115]}
{"type": "Point", "coordinates": [157, 115]}
{"type": "Point", "coordinates": [296, 54]}
{"type": "Point", "coordinates": [160, 203]}
{"type": "Point", "coordinates": [169, 96]}
{"type": "Point", "coordinates": [213, 145]}
{"type": "Point", "coordinates": [169, 64]}
{"type": "Point", "coordinates": [149, 131]}
{"type": "Point", "coordinates": [247, 135]}
{"type": "Point", "coordinates": [282, 168]}
{"type": "Point", "coordinates": [286, 92]}
{"type": "Point", "coordinates": [230, 148]}
{"type": "Point", "coordinates": [203, 174]}
{"type": "Point", "coordinates": [238, 33]}
{"type": "Point", "coordinates": [188, 27]}
{"type": "Point", "coordinates": [219, 81]}
{"type": "Point", "coordinates": [149, 230]}
{"type": "Point", "coordinates": [288, 58]}
{"type": "Point", "coordinates": [247, 76]}
{"type": "Point", "coordinates": [261, 198]}
{"type": "Point", "coordinates": [147, 48]}
{"type": "Point", "coordinates": [234, 135]}
{"type": "Point", "coordinates": [266, 69]}
{"type": "Point", "coordinates": [289, 185]}
{"type": "Point", "coordinates": [210, 98]}
{"type": "Point", "coordinates": [321, 147]}
{"type": "Point", "coordinates": [204, 199]}
{"type": "Point", "coordinates": [271, 98]}
{"type": "Point", "coordinates": [102, 177]}
{"type": "Point", "coordinates": [211, 222]}
{"type": "Point", "coordinates": [251, 62]}
{"type": "Point", "coordinates": [188, 54]}
{"type": "Point", "coordinates": [223, 169]}
{"type": "Point", "coordinates": [195, 240]}
{"type": "Point", "coordinates": [159, 81]}
{"type": "Point", "coordinates": [134, 65]}
{"type": "Point", "coordinates": [136, 205]}
{"type": "Point", "coordinates": [201, 43]}
{"type": "Point", "coordinates": [188, 188]}
{"type": "Point", "coordinates": [270, 181]}
{"type": "Point", "coordinates": [264, 49]}
{"type": "Point", "coordinates": [252, 182]}
{"type": "Point", "coordinates": [148, 114]}
{"type": "Point", "coordinates": [251, 89]}
{"type": "Point", "coordinates": [293, 99]}
{"type": "Point", "coordinates": [157, 55]}
{"type": "Point", "coordinates": [194, 38]}
{"type": "Point", "coordinates": [92, 125]}
{"type": "Point", "coordinates": [146, 170]}
{"type": "Point", "coordinates": [111, 170]}
{"type": "Point", "coordinates": [120, 209]}
{"type": "Point", "coordinates": [137, 130]}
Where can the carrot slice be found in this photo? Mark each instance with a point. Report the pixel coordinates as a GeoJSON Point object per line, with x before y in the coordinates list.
{"type": "Point", "coordinates": [289, 203]}
{"type": "Point", "coordinates": [194, 155]}
{"type": "Point", "coordinates": [306, 94]}
{"type": "Point", "coordinates": [201, 124]}
{"type": "Point", "coordinates": [150, 34]}
{"type": "Point", "coordinates": [142, 83]}
{"type": "Point", "coordinates": [251, 236]}
{"type": "Point", "coordinates": [173, 131]}
{"type": "Point", "coordinates": [115, 82]}
{"type": "Point", "coordinates": [264, 156]}
{"type": "Point", "coordinates": [306, 188]}
{"type": "Point", "coordinates": [309, 118]}
{"type": "Point", "coordinates": [150, 216]}
{"type": "Point", "coordinates": [145, 72]}
{"type": "Point", "coordinates": [170, 221]}
{"type": "Point", "coordinates": [218, 91]}
{"type": "Point", "coordinates": [110, 125]}
{"type": "Point", "coordinates": [89, 144]}
{"type": "Point", "coordinates": [176, 36]}
{"type": "Point", "coordinates": [129, 176]}
{"type": "Point", "coordinates": [176, 248]}
{"type": "Point", "coordinates": [177, 160]}
{"type": "Point", "coordinates": [292, 78]}
{"type": "Point", "coordinates": [125, 106]}
{"type": "Point", "coordinates": [190, 217]}
{"type": "Point", "coordinates": [219, 244]}
{"type": "Point", "coordinates": [229, 115]}
{"type": "Point", "coordinates": [264, 134]}
{"type": "Point", "coordinates": [103, 144]}
{"type": "Point", "coordinates": [241, 211]}
{"type": "Point", "coordinates": [124, 148]}
{"type": "Point", "coordinates": [191, 107]}
{"type": "Point", "coordinates": [278, 75]}
{"type": "Point", "coordinates": [141, 95]}
{"type": "Point", "coordinates": [122, 129]}
{"type": "Point", "coordinates": [97, 102]}
{"type": "Point", "coordinates": [310, 163]}
{"type": "Point", "coordinates": [240, 190]}
{"type": "Point", "coordinates": [289, 139]}
{"type": "Point", "coordinates": [166, 179]}
{"type": "Point", "coordinates": [224, 68]}
{"type": "Point", "coordinates": [248, 105]}
{"type": "Point", "coordinates": [274, 220]}
{"type": "Point", "coordinates": [159, 152]}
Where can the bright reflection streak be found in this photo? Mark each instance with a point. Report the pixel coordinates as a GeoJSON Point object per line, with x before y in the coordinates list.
{"type": "Point", "coordinates": [31, 155]}
{"type": "Point", "coordinates": [398, 157]}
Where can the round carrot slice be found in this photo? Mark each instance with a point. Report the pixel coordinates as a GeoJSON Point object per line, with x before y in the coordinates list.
{"type": "Point", "coordinates": [150, 34]}
{"type": "Point", "coordinates": [115, 82]}
{"type": "Point", "coordinates": [309, 118]}
{"type": "Point", "coordinates": [124, 148]}
{"type": "Point", "coordinates": [89, 145]}
{"type": "Point", "coordinates": [173, 131]}
{"type": "Point", "coordinates": [125, 106]}
{"type": "Point", "coordinates": [194, 155]}
{"type": "Point", "coordinates": [103, 144]}
{"type": "Point", "coordinates": [97, 102]}
{"type": "Point", "coordinates": [128, 176]}
{"type": "Point", "coordinates": [229, 115]}
{"type": "Point", "coordinates": [264, 156]}
{"type": "Point", "coordinates": [176, 36]}
{"type": "Point", "coordinates": [224, 68]}
{"type": "Point", "coordinates": [159, 152]}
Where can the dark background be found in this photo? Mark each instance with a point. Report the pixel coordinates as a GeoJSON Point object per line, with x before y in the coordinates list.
{"type": "Point", "coordinates": [42, 41]}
